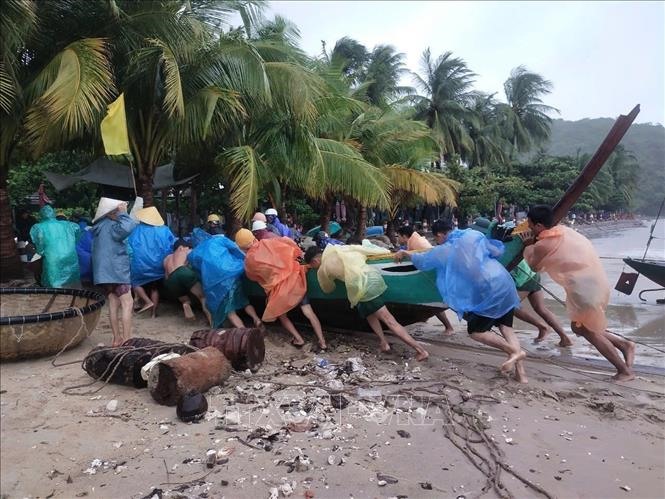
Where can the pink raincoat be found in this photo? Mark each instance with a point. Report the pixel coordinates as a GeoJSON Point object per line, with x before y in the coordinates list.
{"type": "Point", "coordinates": [571, 261]}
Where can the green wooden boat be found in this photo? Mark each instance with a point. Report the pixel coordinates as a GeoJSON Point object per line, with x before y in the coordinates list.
{"type": "Point", "coordinates": [411, 296]}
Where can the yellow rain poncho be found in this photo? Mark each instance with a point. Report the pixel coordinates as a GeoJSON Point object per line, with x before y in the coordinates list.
{"type": "Point", "coordinates": [571, 261]}
{"type": "Point", "coordinates": [348, 264]}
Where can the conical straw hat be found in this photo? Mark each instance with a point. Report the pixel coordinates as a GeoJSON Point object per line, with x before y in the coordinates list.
{"type": "Point", "coordinates": [105, 206]}
{"type": "Point", "coordinates": [150, 216]}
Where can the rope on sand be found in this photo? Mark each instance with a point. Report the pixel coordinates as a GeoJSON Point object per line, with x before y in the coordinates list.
{"type": "Point", "coordinates": [115, 362]}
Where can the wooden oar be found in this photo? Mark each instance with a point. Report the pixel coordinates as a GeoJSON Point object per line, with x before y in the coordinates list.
{"type": "Point", "coordinates": [586, 176]}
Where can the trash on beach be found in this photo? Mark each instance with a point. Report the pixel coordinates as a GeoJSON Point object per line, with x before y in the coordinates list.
{"type": "Point", "coordinates": [387, 478]}
{"type": "Point", "coordinates": [112, 405]}
{"type": "Point", "coordinates": [192, 406]}
{"type": "Point", "coordinates": [354, 365]}
{"type": "Point", "coordinates": [626, 488]}
{"type": "Point", "coordinates": [403, 434]}
{"type": "Point", "coordinates": [339, 401]}
{"type": "Point", "coordinates": [371, 395]}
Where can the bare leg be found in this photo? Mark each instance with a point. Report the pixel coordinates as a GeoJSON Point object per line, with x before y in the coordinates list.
{"type": "Point", "coordinates": [288, 325]}
{"type": "Point", "coordinates": [606, 348]}
{"type": "Point", "coordinates": [528, 317]}
{"type": "Point", "coordinates": [154, 298]}
{"type": "Point", "coordinates": [235, 320]}
{"type": "Point", "coordinates": [500, 343]}
{"type": "Point", "coordinates": [375, 324]}
{"type": "Point", "coordinates": [114, 305]}
{"type": "Point", "coordinates": [197, 291]}
{"type": "Point", "coordinates": [127, 306]}
{"type": "Point", "coordinates": [537, 301]}
{"type": "Point", "coordinates": [448, 331]}
{"type": "Point", "coordinates": [251, 311]}
{"type": "Point", "coordinates": [187, 308]}
{"type": "Point", "coordinates": [384, 315]}
{"type": "Point", "coordinates": [147, 302]}
{"type": "Point", "coordinates": [509, 334]}
{"type": "Point", "coordinates": [314, 321]}
{"type": "Point", "coordinates": [627, 347]}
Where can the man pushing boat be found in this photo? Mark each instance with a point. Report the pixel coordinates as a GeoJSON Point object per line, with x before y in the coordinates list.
{"type": "Point", "coordinates": [571, 261]}
{"type": "Point", "coordinates": [476, 286]}
{"type": "Point", "coordinates": [364, 286]}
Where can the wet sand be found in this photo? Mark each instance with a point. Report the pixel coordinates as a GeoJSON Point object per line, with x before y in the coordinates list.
{"type": "Point", "coordinates": [559, 432]}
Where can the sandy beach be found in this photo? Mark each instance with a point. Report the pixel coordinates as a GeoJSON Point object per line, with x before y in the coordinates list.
{"type": "Point", "coordinates": [449, 427]}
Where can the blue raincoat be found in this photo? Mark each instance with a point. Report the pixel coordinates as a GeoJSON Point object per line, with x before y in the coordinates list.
{"type": "Point", "coordinates": [468, 275]}
{"type": "Point", "coordinates": [149, 246]}
{"type": "Point", "coordinates": [84, 252]}
{"type": "Point", "coordinates": [283, 230]}
{"type": "Point", "coordinates": [221, 264]}
{"type": "Point", "coordinates": [110, 257]}
{"type": "Point", "coordinates": [56, 240]}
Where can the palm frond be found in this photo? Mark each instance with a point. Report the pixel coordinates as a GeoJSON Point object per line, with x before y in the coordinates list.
{"type": "Point", "coordinates": [431, 188]}
{"type": "Point", "coordinates": [174, 100]}
{"type": "Point", "coordinates": [341, 169]}
{"type": "Point", "coordinates": [244, 167]}
{"type": "Point", "coordinates": [75, 100]}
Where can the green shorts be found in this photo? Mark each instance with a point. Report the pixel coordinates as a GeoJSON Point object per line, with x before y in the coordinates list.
{"type": "Point", "coordinates": [181, 281]}
{"type": "Point", "coordinates": [367, 308]}
{"type": "Point", "coordinates": [531, 285]}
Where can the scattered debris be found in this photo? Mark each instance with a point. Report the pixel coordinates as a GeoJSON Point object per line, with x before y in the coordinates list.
{"type": "Point", "coordinates": [626, 488]}
{"type": "Point", "coordinates": [426, 485]}
{"type": "Point", "coordinates": [112, 406]}
{"type": "Point", "coordinates": [387, 478]}
{"type": "Point", "coordinates": [404, 434]}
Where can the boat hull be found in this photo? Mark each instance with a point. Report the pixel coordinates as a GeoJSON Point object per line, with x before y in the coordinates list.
{"type": "Point", "coordinates": [411, 297]}
{"type": "Point", "coordinates": [651, 269]}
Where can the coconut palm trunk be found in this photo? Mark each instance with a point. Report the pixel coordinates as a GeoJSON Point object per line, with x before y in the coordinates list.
{"type": "Point", "coordinates": [10, 264]}
{"type": "Point", "coordinates": [324, 221]}
{"type": "Point", "coordinates": [361, 227]}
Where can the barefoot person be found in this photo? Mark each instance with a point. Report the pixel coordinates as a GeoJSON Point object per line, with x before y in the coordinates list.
{"type": "Point", "coordinates": [273, 263]}
{"type": "Point", "coordinates": [414, 241]}
{"type": "Point", "coordinates": [221, 265]}
{"type": "Point", "coordinates": [151, 241]}
{"type": "Point", "coordinates": [477, 287]}
{"type": "Point", "coordinates": [528, 286]}
{"type": "Point", "coordinates": [182, 280]}
{"type": "Point", "coordinates": [570, 260]}
{"type": "Point", "coordinates": [111, 265]}
{"type": "Point", "coordinates": [364, 287]}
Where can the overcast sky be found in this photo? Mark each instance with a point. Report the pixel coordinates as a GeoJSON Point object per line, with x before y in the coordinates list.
{"type": "Point", "coordinates": [602, 57]}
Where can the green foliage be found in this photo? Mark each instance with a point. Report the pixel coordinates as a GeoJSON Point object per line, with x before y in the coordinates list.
{"type": "Point", "coordinates": [645, 141]}
{"type": "Point", "coordinates": [25, 178]}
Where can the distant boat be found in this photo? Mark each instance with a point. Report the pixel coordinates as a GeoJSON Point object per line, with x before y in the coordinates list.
{"type": "Point", "coordinates": [651, 269]}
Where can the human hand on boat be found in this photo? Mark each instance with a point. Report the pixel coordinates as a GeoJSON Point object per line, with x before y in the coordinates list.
{"type": "Point", "coordinates": [401, 255]}
{"type": "Point", "coordinates": [527, 237]}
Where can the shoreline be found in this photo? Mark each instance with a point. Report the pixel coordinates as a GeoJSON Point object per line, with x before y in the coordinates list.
{"type": "Point", "coordinates": [558, 432]}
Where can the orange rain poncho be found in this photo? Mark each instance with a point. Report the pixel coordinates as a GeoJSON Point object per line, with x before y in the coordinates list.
{"type": "Point", "coordinates": [417, 242]}
{"type": "Point", "coordinates": [571, 261]}
{"type": "Point", "coordinates": [348, 264]}
{"type": "Point", "coordinates": [272, 263]}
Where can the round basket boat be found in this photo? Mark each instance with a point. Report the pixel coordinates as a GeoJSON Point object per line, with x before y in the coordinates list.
{"type": "Point", "coordinates": [36, 322]}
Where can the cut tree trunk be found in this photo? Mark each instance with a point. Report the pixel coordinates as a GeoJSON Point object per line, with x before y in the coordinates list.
{"type": "Point", "coordinates": [10, 263]}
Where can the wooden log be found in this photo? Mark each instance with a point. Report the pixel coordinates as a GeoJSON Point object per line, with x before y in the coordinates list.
{"type": "Point", "coordinates": [244, 347]}
{"type": "Point", "coordinates": [197, 371]}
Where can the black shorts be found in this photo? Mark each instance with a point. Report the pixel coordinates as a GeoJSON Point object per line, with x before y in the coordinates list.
{"type": "Point", "coordinates": [367, 308]}
{"type": "Point", "coordinates": [479, 323]}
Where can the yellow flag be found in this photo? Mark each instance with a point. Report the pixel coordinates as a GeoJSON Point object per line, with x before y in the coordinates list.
{"type": "Point", "coordinates": [114, 128]}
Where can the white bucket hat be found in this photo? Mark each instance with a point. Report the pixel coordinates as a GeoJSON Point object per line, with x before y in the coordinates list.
{"type": "Point", "coordinates": [105, 206]}
{"type": "Point", "coordinates": [271, 211]}
{"type": "Point", "coordinates": [258, 225]}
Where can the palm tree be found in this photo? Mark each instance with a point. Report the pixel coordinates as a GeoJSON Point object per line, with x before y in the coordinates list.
{"type": "Point", "coordinates": [446, 85]}
{"type": "Point", "coordinates": [527, 120]}
{"type": "Point", "coordinates": [484, 127]}
{"type": "Point", "coordinates": [54, 84]}
{"type": "Point", "coordinates": [382, 76]}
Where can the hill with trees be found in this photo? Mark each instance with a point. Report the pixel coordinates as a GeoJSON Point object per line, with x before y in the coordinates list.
{"type": "Point", "coordinates": [645, 140]}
